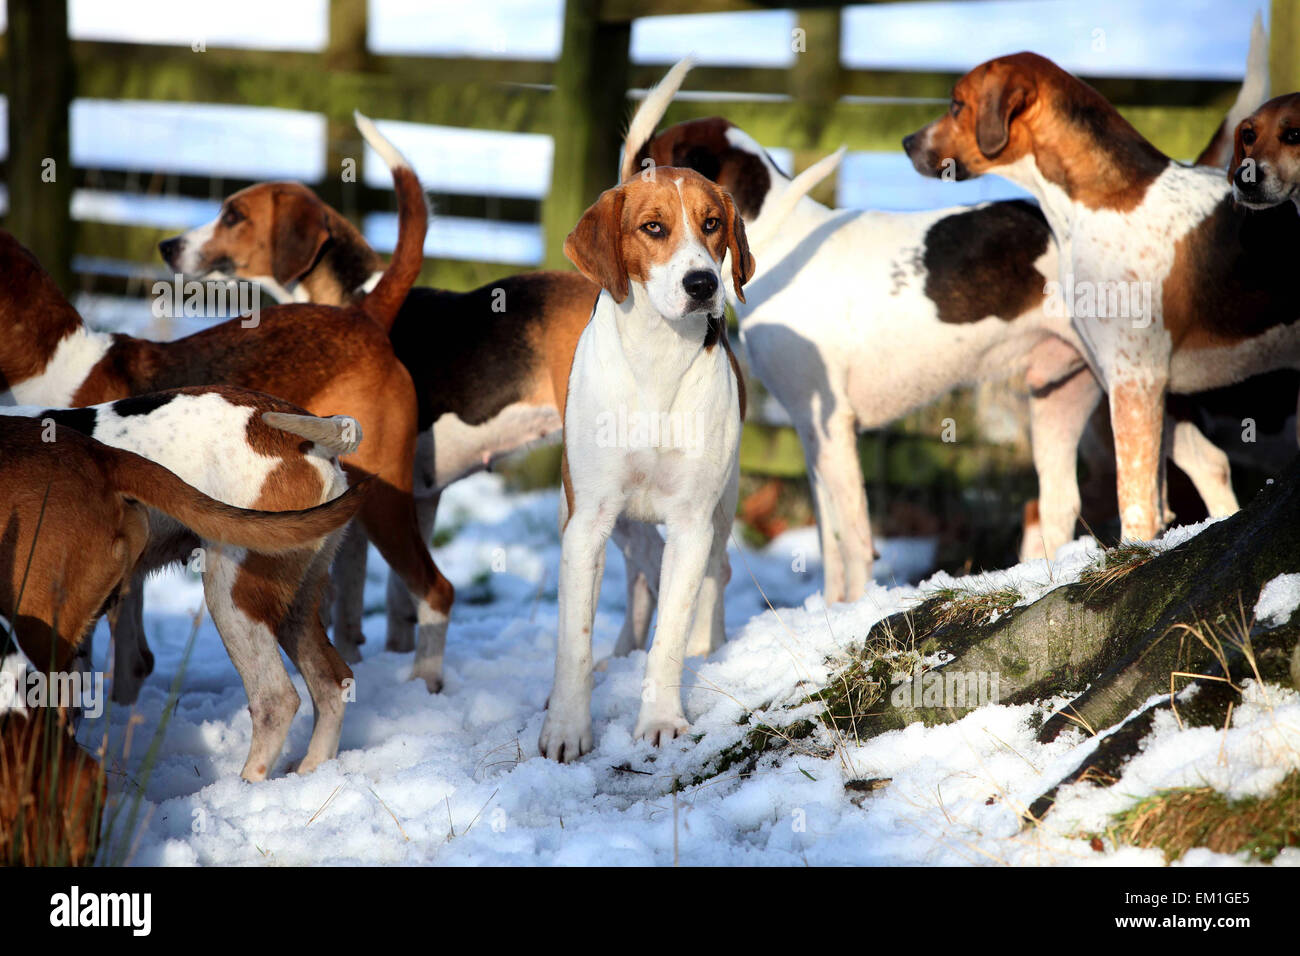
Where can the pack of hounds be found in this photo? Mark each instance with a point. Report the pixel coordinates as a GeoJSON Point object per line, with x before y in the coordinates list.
{"type": "Point", "coordinates": [281, 450]}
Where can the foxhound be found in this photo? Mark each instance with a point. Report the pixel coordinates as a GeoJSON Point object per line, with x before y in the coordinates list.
{"type": "Point", "coordinates": [1171, 287]}
{"type": "Point", "coordinates": [651, 430]}
{"type": "Point", "coordinates": [328, 360]}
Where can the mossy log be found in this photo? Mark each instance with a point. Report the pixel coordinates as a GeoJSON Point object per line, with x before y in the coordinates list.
{"type": "Point", "coordinates": [1115, 641]}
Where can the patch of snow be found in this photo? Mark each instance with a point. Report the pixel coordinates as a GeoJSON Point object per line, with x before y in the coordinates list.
{"type": "Point", "coordinates": [455, 778]}
{"type": "Point", "coordinates": [1278, 600]}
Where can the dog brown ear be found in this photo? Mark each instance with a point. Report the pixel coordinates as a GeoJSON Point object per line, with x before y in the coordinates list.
{"type": "Point", "coordinates": [595, 245]}
{"type": "Point", "coordinates": [1238, 151]}
{"type": "Point", "coordinates": [299, 232]}
{"type": "Point", "coordinates": [1001, 99]}
{"type": "Point", "coordinates": [742, 261]}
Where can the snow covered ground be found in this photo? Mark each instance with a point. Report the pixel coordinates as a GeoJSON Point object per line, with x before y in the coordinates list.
{"type": "Point", "coordinates": [455, 778]}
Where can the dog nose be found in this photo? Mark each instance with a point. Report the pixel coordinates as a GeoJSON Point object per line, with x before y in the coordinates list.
{"type": "Point", "coordinates": [700, 285]}
{"type": "Point", "coordinates": [1239, 180]}
{"type": "Point", "coordinates": [169, 248]}
{"type": "Point", "coordinates": [908, 140]}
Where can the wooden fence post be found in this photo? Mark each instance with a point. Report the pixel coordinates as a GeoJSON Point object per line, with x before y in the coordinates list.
{"type": "Point", "coordinates": [345, 52]}
{"type": "Point", "coordinates": [40, 166]}
{"type": "Point", "coordinates": [1284, 46]}
{"type": "Point", "coordinates": [591, 79]}
{"type": "Point", "coordinates": [816, 84]}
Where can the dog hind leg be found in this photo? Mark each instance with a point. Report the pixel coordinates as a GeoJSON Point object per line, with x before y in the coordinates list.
{"type": "Point", "coordinates": [252, 646]}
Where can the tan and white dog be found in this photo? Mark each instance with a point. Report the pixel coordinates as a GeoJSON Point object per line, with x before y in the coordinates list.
{"type": "Point", "coordinates": [1206, 285]}
{"type": "Point", "coordinates": [651, 430]}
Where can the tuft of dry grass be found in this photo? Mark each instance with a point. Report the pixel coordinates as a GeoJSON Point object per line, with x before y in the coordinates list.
{"type": "Point", "coordinates": [1175, 821]}
{"type": "Point", "coordinates": [1116, 564]}
{"type": "Point", "coordinates": [965, 607]}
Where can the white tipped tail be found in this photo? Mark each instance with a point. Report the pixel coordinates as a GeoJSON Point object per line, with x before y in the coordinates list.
{"type": "Point", "coordinates": [780, 206]}
{"type": "Point", "coordinates": [1254, 91]}
{"type": "Point", "coordinates": [378, 142]}
{"type": "Point", "coordinates": [647, 116]}
{"type": "Point", "coordinates": [339, 434]}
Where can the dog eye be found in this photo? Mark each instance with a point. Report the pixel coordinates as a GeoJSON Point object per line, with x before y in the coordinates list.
{"type": "Point", "coordinates": [1291, 136]}
{"type": "Point", "coordinates": [231, 216]}
{"type": "Point", "coordinates": [712, 223]}
{"type": "Point", "coordinates": [654, 228]}
{"type": "Point", "coordinates": [1248, 137]}
{"type": "Point", "coordinates": [956, 108]}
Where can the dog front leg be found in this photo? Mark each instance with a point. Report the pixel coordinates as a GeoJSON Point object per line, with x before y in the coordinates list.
{"type": "Point", "coordinates": [1137, 412]}
{"type": "Point", "coordinates": [566, 731]}
{"type": "Point", "coordinates": [686, 558]}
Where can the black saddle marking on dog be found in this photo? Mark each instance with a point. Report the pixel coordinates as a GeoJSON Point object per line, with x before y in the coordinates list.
{"type": "Point", "coordinates": [78, 419]}
{"type": "Point", "coordinates": [140, 404]}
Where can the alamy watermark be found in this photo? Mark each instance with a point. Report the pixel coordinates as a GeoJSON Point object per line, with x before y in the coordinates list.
{"type": "Point", "coordinates": [36, 689]}
{"type": "Point", "coordinates": [1109, 299]}
{"type": "Point", "coordinates": [622, 427]}
{"type": "Point", "coordinates": [208, 298]}
{"type": "Point", "coordinates": [947, 688]}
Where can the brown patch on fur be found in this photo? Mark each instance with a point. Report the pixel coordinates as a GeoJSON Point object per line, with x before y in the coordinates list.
{"type": "Point", "coordinates": [567, 481]}
{"type": "Point", "coordinates": [34, 315]}
{"type": "Point", "coordinates": [1230, 279]}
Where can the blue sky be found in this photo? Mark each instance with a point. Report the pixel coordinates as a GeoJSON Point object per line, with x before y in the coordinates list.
{"type": "Point", "coordinates": [1203, 38]}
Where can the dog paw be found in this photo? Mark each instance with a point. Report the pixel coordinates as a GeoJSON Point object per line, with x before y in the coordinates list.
{"type": "Point", "coordinates": [564, 740]}
{"type": "Point", "coordinates": [351, 653]}
{"type": "Point", "coordinates": [431, 675]}
{"type": "Point", "coordinates": [660, 729]}
{"type": "Point", "coordinates": [402, 643]}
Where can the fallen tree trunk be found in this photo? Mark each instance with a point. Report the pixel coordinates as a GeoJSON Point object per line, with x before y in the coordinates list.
{"type": "Point", "coordinates": [1114, 640]}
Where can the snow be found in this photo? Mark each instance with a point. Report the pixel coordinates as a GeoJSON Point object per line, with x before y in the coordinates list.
{"type": "Point", "coordinates": [1278, 600]}
{"type": "Point", "coordinates": [455, 778]}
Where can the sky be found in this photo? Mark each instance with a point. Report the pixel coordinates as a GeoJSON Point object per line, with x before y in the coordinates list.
{"type": "Point", "coordinates": [1195, 38]}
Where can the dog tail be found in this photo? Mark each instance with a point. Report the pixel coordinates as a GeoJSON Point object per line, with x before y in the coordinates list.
{"type": "Point", "coordinates": [339, 434]}
{"type": "Point", "coordinates": [386, 298]}
{"type": "Point", "coordinates": [269, 532]}
{"type": "Point", "coordinates": [647, 116]}
{"type": "Point", "coordinates": [783, 204]}
{"type": "Point", "coordinates": [1254, 91]}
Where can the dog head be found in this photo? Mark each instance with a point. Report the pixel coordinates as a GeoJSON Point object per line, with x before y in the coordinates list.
{"type": "Point", "coordinates": [270, 230]}
{"type": "Point", "coordinates": [666, 235]}
{"type": "Point", "coordinates": [988, 123]}
{"type": "Point", "coordinates": [1265, 168]}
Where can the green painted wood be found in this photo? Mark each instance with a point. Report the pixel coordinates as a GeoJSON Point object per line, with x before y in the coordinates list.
{"type": "Point", "coordinates": [40, 83]}
{"type": "Point", "coordinates": [1284, 46]}
{"type": "Point", "coordinates": [589, 106]}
